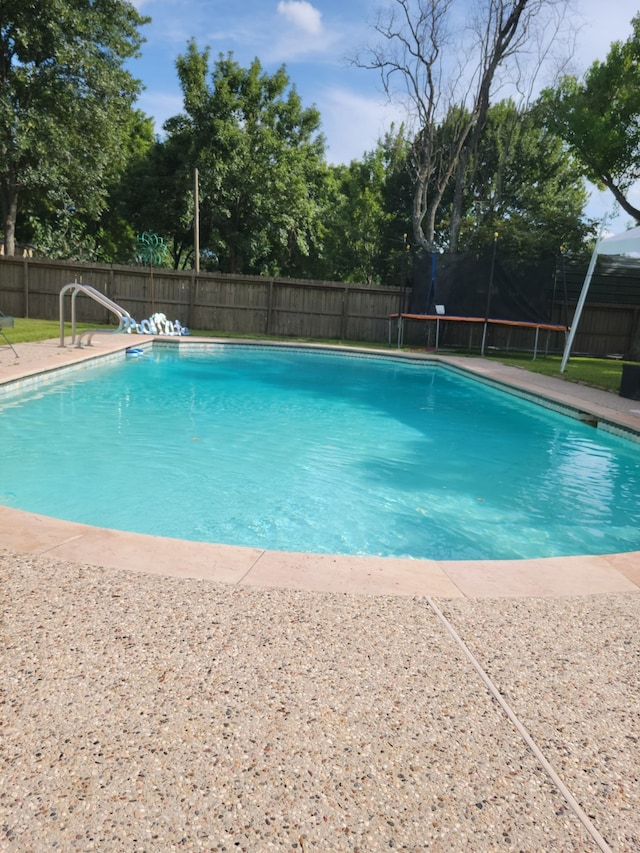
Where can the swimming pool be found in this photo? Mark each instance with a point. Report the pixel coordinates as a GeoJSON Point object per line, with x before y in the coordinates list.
{"type": "Point", "coordinates": [291, 449]}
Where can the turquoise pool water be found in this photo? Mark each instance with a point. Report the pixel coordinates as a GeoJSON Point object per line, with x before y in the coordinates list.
{"type": "Point", "coordinates": [303, 450]}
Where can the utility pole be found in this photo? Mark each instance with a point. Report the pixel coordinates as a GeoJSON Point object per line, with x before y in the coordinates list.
{"type": "Point", "coordinates": [196, 222]}
{"type": "Point", "coordinates": [488, 308]}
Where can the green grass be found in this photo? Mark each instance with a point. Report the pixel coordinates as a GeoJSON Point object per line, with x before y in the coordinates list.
{"type": "Point", "coordinates": [597, 372]}
{"type": "Point", "coordinates": [27, 331]}
{"type": "Point", "coordinates": [603, 373]}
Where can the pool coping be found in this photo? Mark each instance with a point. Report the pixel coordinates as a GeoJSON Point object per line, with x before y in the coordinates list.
{"type": "Point", "coordinates": [30, 533]}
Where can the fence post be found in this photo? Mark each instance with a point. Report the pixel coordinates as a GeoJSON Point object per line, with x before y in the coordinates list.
{"type": "Point", "coordinates": [632, 349]}
{"type": "Point", "coordinates": [345, 313]}
{"type": "Point", "coordinates": [192, 298]}
{"type": "Point", "coordinates": [269, 308]}
{"type": "Point", "coordinates": [25, 277]}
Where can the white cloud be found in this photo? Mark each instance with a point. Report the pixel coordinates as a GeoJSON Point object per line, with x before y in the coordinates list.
{"type": "Point", "coordinates": [302, 15]}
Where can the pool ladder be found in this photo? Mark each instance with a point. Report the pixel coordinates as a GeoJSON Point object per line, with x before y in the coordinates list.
{"type": "Point", "coordinates": [75, 288]}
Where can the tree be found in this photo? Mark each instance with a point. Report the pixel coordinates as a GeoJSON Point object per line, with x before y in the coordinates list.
{"type": "Point", "coordinates": [352, 245]}
{"type": "Point", "coordinates": [525, 186]}
{"type": "Point", "coordinates": [114, 234]}
{"type": "Point", "coordinates": [447, 83]}
{"type": "Point", "coordinates": [598, 118]}
{"type": "Point", "coordinates": [366, 217]}
{"type": "Point", "coordinates": [58, 229]}
{"type": "Point", "coordinates": [395, 234]}
{"type": "Point", "coordinates": [65, 101]}
{"type": "Point", "coordinates": [155, 195]}
{"type": "Point", "coordinates": [260, 157]}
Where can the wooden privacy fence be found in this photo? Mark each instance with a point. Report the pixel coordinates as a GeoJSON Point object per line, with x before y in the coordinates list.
{"type": "Point", "coordinates": [244, 305]}
{"type": "Point", "coordinates": [255, 305]}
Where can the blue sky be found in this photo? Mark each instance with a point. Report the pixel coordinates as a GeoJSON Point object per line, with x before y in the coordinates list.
{"type": "Point", "coordinates": [313, 39]}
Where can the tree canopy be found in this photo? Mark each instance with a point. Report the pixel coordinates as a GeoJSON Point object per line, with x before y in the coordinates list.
{"type": "Point", "coordinates": [86, 173]}
{"type": "Point", "coordinates": [65, 102]}
{"type": "Point", "coordinates": [260, 157]}
{"type": "Point", "coordinates": [445, 72]}
{"type": "Point", "coordinates": [598, 118]}
{"type": "Point", "coordinates": [523, 185]}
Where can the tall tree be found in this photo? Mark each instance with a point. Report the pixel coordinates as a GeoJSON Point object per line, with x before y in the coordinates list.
{"type": "Point", "coordinates": [367, 216]}
{"type": "Point", "coordinates": [155, 195]}
{"type": "Point", "coordinates": [65, 99]}
{"type": "Point", "coordinates": [598, 117]}
{"type": "Point", "coordinates": [525, 186]}
{"type": "Point", "coordinates": [352, 245]}
{"type": "Point", "coordinates": [59, 229]}
{"type": "Point", "coordinates": [259, 153]}
{"type": "Point", "coordinates": [447, 82]}
{"type": "Point", "coordinates": [396, 234]}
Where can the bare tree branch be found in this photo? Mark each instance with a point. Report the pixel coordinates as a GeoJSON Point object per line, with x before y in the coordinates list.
{"type": "Point", "coordinates": [444, 68]}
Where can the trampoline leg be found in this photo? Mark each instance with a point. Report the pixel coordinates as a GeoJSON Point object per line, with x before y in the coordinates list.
{"type": "Point", "coordinates": [535, 345]}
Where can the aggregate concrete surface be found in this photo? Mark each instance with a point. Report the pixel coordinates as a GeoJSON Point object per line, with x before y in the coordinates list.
{"type": "Point", "coordinates": [145, 713]}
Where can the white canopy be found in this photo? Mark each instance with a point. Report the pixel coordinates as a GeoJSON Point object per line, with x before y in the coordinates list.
{"type": "Point", "coordinates": [621, 244]}
{"type": "Point", "coordinates": [627, 243]}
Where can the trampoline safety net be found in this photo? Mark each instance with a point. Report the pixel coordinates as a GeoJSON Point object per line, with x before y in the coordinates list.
{"type": "Point", "coordinates": [520, 291]}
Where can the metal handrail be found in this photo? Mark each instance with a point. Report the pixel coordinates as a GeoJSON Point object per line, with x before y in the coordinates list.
{"type": "Point", "coordinates": [100, 298]}
{"type": "Point", "coordinates": [7, 323]}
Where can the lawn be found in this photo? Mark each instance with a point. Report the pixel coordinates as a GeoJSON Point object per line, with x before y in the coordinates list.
{"type": "Point", "coordinates": [27, 331]}
{"type": "Point", "coordinates": [597, 372]}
